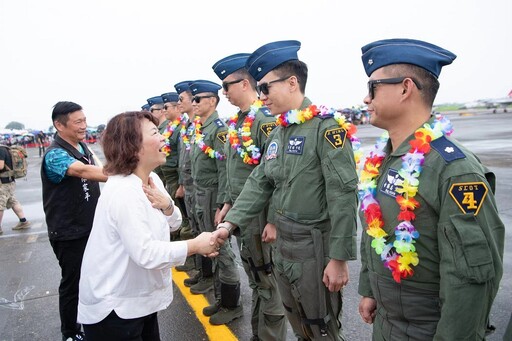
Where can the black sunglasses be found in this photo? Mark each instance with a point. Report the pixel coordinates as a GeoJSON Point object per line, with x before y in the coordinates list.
{"type": "Point", "coordinates": [225, 85]}
{"type": "Point", "coordinates": [155, 109]}
{"type": "Point", "coordinates": [263, 87]}
{"type": "Point", "coordinates": [197, 99]}
{"type": "Point", "coordinates": [397, 80]}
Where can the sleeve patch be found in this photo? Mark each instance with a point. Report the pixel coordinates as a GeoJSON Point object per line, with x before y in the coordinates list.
{"type": "Point", "coordinates": [469, 196]}
{"type": "Point", "coordinates": [266, 128]}
{"type": "Point", "coordinates": [222, 136]}
{"type": "Point", "coordinates": [336, 137]}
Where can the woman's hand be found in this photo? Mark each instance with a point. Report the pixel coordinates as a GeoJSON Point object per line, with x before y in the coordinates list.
{"type": "Point", "coordinates": [158, 199]}
{"type": "Point", "coordinates": [204, 245]}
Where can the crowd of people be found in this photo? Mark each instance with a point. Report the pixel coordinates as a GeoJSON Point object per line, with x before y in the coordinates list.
{"type": "Point", "coordinates": [281, 177]}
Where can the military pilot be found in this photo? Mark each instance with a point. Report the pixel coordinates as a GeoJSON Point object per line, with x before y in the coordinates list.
{"type": "Point", "coordinates": [308, 170]}
{"type": "Point", "coordinates": [185, 192]}
{"type": "Point", "coordinates": [156, 105]}
{"type": "Point", "coordinates": [432, 248]}
{"type": "Point", "coordinates": [248, 130]}
{"type": "Point", "coordinates": [209, 174]}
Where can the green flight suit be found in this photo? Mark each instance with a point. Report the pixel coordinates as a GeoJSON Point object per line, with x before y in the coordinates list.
{"type": "Point", "coordinates": [209, 176]}
{"type": "Point", "coordinates": [309, 172]}
{"type": "Point", "coordinates": [460, 253]}
{"type": "Point", "coordinates": [185, 180]}
{"type": "Point", "coordinates": [267, 318]}
{"type": "Point", "coordinates": [170, 168]}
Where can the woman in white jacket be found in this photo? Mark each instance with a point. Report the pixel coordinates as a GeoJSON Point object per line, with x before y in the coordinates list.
{"type": "Point", "coordinates": [126, 278]}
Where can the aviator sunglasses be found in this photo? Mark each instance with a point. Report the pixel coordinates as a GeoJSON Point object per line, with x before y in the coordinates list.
{"type": "Point", "coordinates": [397, 80]}
{"type": "Point", "coordinates": [225, 85]}
{"type": "Point", "coordinates": [263, 87]}
{"type": "Point", "coordinates": [197, 99]}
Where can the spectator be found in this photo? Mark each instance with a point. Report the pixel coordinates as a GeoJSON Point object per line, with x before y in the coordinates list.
{"type": "Point", "coordinates": [7, 189]}
{"type": "Point", "coordinates": [70, 193]}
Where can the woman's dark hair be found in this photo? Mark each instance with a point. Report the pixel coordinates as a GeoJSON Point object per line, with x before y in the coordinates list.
{"type": "Point", "coordinates": [122, 141]}
{"type": "Point", "coordinates": [61, 111]}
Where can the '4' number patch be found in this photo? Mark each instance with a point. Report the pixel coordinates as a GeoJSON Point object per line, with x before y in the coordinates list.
{"type": "Point", "coordinates": [469, 196]}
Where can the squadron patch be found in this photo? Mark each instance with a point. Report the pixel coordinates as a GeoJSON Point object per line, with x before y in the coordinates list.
{"type": "Point", "coordinates": [296, 145]}
{"type": "Point", "coordinates": [266, 128]}
{"type": "Point", "coordinates": [272, 151]}
{"type": "Point", "coordinates": [266, 112]}
{"type": "Point", "coordinates": [391, 180]}
{"type": "Point", "coordinates": [336, 137]}
{"type": "Point", "coordinates": [222, 136]}
{"type": "Point", "coordinates": [469, 196]}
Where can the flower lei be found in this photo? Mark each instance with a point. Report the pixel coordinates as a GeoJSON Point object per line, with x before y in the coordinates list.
{"type": "Point", "coordinates": [300, 116]}
{"type": "Point", "coordinates": [401, 255]}
{"type": "Point", "coordinates": [199, 137]}
{"type": "Point", "coordinates": [169, 129]}
{"type": "Point", "coordinates": [247, 150]}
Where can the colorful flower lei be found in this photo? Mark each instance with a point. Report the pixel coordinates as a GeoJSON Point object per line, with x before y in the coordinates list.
{"type": "Point", "coordinates": [169, 129]}
{"type": "Point", "coordinates": [199, 137]}
{"type": "Point", "coordinates": [300, 116]}
{"type": "Point", "coordinates": [247, 150]}
{"type": "Point", "coordinates": [401, 255]}
{"type": "Point", "coordinates": [185, 138]}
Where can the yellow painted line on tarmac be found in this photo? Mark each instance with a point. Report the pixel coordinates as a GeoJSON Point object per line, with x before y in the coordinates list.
{"type": "Point", "coordinates": [198, 302]}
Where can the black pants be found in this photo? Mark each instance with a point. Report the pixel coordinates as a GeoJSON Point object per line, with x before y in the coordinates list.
{"type": "Point", "coordinates": [114, 328]}
{"type": "Point", "coordinates": [69, 253]}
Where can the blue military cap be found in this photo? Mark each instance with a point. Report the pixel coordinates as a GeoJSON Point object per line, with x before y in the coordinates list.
{"type": "Point", "coordinates": [270, 56]}
{"type": "Point", "coordinates": [145, 107]}
{"type": "Point", "coordinates": [170, 97]}
{"type": "Point", "coordinates": [405, 51]}
{"type": "Point", "coordinates": [200, 86]}
{"type": "Point", "coordinates": [230, 64]}
{"type": "Point", "coordinates": [182, 86]}
{"type": "Point", "coordinates": [155, 100]}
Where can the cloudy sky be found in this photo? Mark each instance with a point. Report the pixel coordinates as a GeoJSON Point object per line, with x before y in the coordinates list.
{"type": "Point", "coordinates": [110, 56]}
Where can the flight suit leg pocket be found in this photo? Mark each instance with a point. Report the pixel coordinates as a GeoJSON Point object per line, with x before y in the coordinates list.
{"type": "Point", "coordinates": [470, 249]}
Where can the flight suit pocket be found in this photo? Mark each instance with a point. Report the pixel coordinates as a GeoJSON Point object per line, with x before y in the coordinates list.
{"type": "Point", "coordinates": [471, 252]}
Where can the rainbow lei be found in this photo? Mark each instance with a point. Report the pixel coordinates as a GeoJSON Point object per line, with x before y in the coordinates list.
{"type": "Point", "coordinates": [401, 255]}
{"type": "Point", "coordinates": [169, 129]}
{"type": "Point", "coordinates": [247, 150]}
{"type": "Point", "coordinates": [199, 137]}
{"type": "Point", "coordinates": [300, 116]}
{"type": "Point", "coordinates": [183, 132]}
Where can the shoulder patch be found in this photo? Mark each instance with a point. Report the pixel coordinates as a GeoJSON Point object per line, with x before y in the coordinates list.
{"type": "Point", "coordinates": [222, 136]}
{"type": "Point", "coordinates": [219, 122]}
{"type": "Point", "coordinates": [266, 112]}
{"type": "Point", "coordinates": [336, 137]}
{"type": "Point", "coordinates": [266, 128]}
{"type": "Point", "coordinates": [447, 149]}
{"type": "Point", "coordinates": [469, 196]}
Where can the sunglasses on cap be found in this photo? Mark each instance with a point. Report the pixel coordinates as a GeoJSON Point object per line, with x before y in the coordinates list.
{"type": "Point", "coordinates": [263, 87]}
{"type": "Point", "coordinates": [197, 99]}
{"type": "Point", "coordinates": [225, 85]}
{"type": "Point", "coordinates": [397, 80]}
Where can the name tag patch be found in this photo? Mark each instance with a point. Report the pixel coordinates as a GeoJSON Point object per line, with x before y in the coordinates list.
{"type": "Point", "coordinates": [266, 128]}
{"type": "Point", "coordinates": [296, 145]}
{"type": "Point", "coordinates": [392, 180]}
{"type": "Point", "coordinates": [272, 151]}
{"type": "Point", "coordinates": [336, 137]}
{"type": "Point", "coordinates": [469, 196]}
